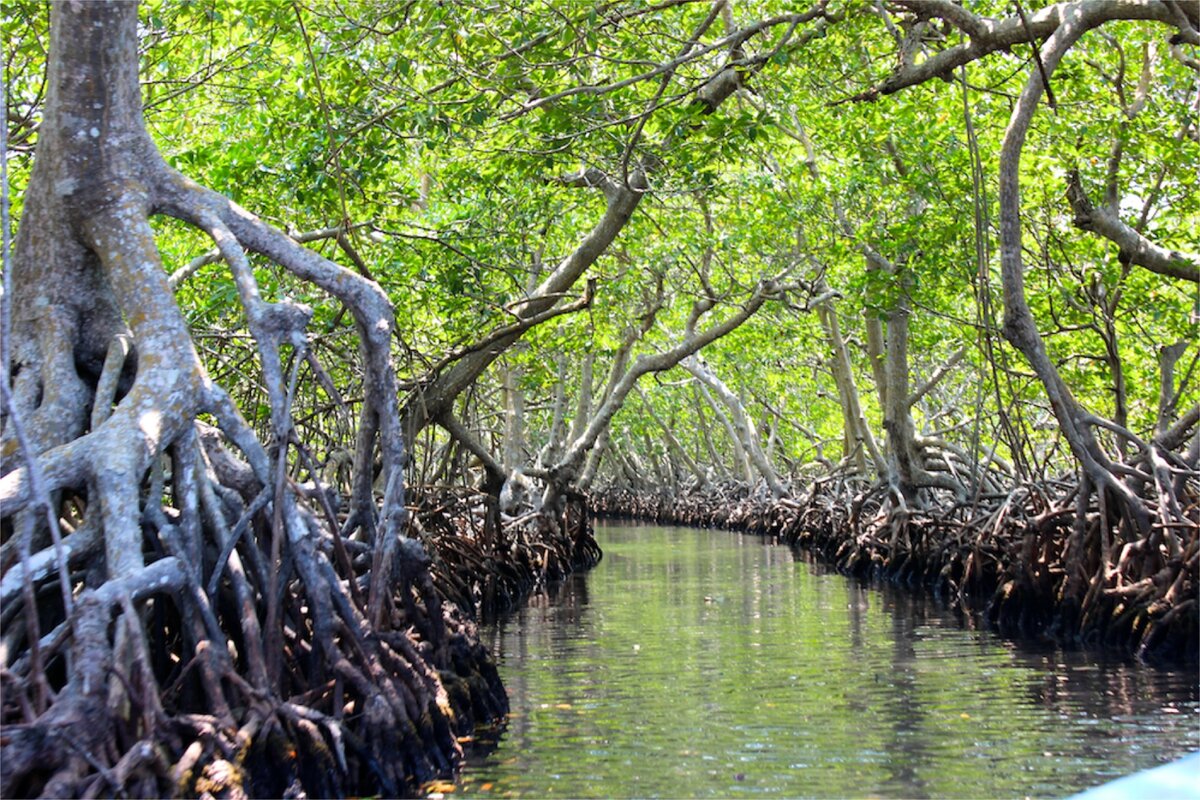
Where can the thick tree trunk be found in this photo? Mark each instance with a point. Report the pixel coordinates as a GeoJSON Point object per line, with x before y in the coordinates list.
{"type": "Point", "coordinates": [554, 437]}
{"type": "Point", "coordinates": [583, 404]}
{"type": "Point", "coordinates": [903, 456]}
{"type": "Point", "coordinates": [224, 584]}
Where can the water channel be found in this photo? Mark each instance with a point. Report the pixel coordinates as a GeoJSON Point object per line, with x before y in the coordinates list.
{"type": "Point", "coordinates": [704, 663]}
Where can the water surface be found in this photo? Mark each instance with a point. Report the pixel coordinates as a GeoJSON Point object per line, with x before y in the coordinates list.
{"type": "Point", "coordinates": [704, 663]}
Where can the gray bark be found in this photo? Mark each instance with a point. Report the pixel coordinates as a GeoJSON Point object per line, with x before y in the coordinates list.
{"type": "Point", "coordinates": [583, 404]}
{"type": "Point", "coordinates": [988, 35]}
{"type": "Point", "coordinates": [566, 472]}
{"type": "Point", "coordinates": [743, 428]}
{"type": "Point", "coordinates": [87, 281]}
{"type": "Point", "coordinates": [514, 418]}
{"type": "Point", "coordinates": [1134, 248]}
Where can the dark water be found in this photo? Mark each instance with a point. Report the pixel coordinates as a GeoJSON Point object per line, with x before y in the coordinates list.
{"type": "Point", "coordinates": [696, 663]}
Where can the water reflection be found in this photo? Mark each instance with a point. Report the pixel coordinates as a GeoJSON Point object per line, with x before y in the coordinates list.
{"type": "Point", "coordinates": [694, 663]}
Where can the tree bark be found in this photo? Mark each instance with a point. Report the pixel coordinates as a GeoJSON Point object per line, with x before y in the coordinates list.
{"type": "Point", "coordinates": [201, 525]}
{"type": "Point", "coordinates": [743, 428]}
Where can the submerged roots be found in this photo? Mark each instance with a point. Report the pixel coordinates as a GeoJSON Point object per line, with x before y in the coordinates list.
{"type": "Point", "coordinates": [491, 562]}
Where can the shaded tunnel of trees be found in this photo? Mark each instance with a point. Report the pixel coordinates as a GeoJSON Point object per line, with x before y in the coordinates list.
{"type": "Point", "coordinates": [327, 327]}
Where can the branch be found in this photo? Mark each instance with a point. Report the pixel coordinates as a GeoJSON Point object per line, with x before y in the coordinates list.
{"type": "Point", "coordinates": [956, 15]}
{"type": "Point", "coordinates": [1020, 329]}
{"type": "Point", "coordinates": [936, 377]}
{"type": "Point", "coordinates": [665, 81]}
{"type": "Point", "coordinates": [731, 41]}
{"type": "Point", "coordinates": [1173, 437]}
{"type": "Point", "coordinates": [988, 36]}
{"type": "Point", "coordinates": [519, 327]}
{"type": "Point", "coordinates": [235, 229]}
{"type": "Point", "coordinates": [455, 428]}
{"type": "Point", "coordinates": [38, 488]}
{"type": "Point", "coordinates": [1134, 247]}
{"type": "Point", "coordinates": [439, 389]}
{"type": "Point", "coordinates": [741, 423]}
{"type": "Point", "coordinates": [622, 196]}
{"type": "Point", "coordinates": [83, 543]}
{"type": "Point", "coordinates": [213, 256]}
{"type": "Point", "coordinates": [658, 362]}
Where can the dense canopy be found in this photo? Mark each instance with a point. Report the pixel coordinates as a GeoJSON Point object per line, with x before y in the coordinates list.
{"type": "Point", "coordinates": [453, 142]}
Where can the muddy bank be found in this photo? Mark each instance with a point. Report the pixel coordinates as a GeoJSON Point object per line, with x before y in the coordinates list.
{"type": "Point", "coordinates": [1002, 558]}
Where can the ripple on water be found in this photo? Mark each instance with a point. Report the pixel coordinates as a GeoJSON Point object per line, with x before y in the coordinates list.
{"type": "Point", "coordinates": [699, 663]}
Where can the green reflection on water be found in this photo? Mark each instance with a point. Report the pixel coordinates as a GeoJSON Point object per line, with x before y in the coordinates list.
{"type": "Point", "coordinates": [697, 663]}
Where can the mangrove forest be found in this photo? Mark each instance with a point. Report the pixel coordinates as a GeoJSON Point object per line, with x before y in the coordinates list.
{"type": "Point", "coordinates": [345, 341]}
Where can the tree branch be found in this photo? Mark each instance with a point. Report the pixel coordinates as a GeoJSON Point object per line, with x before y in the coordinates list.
{"type": "Point", "coordinates": [988, 36]}
{"type": "Point", "coordinates": [455, 428]}
{"type": "Point", "coordinates": [732, 40]}
{"type": "Point", "coordinates": [936, 377]}
{"type": "Point", "coordinates": [213, 256]}
{"type": "Point", "coordinates": [1134, 247]}
{"type": "Point", "coordinates": [658, 362]}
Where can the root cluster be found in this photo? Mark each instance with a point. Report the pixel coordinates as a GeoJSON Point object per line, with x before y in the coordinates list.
{"type": "Point", "coordinates": [267, 682]}
{"type": "Point", "coordinates": [492, 562]}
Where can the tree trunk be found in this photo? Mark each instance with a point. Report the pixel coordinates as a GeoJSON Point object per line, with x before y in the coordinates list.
{"type": "Point", "coordinates": [1020, 328]}
{"type": "Point", "coordinates": [554, 438]}
{"type": "Point", "coordinates": [903, 456]}
{"type": "Point", "coordinates": [857, 440]}
{"type": "Point", "coordinates": [743, 429]}
{"type": "Point", "coordinates": [210, 561]}
{"type": "Point", "coordinates": [514, 418]}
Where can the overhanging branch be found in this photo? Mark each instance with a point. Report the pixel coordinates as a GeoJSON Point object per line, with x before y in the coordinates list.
{"type": "Point", "coordinates": [988, 35]}
{"type": "Point", "coordinates": [1134, 247]}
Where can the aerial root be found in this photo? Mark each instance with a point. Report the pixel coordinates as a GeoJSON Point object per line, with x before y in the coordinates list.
{"type": "Point", "coordinates": [242, 640]}
{"type": "Point", "coordinates": [383, 711]}
{"type": "Point", "coordinates": [489, 570]}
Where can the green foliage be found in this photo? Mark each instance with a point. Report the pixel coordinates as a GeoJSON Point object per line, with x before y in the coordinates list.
{"type": "Point", "coordinates": [442, 131]}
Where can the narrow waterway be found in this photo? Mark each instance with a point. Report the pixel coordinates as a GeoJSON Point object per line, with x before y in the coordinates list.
{"type": "Point", "coordinates": [702, 663]}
